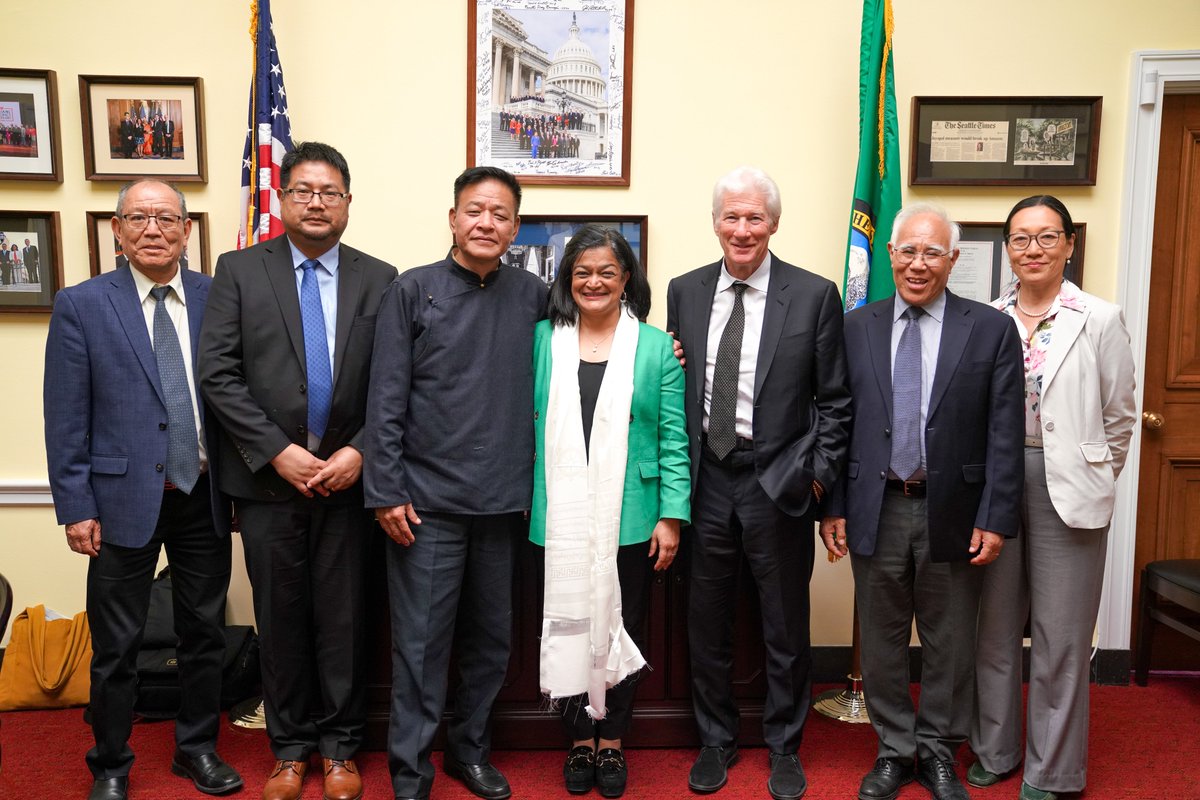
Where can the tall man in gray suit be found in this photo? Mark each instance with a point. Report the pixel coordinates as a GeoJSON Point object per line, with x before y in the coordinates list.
{"type": "Point", "coordinates": [132, 466]}
{"type": "Point", "coordinates": [768, 415]}
{"type": "Point", "coordinates": [928, 495]}
{"type": "Point", "coordinates": [284, 361]}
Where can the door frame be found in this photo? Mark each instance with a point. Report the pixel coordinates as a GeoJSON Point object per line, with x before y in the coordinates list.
{"type": "Point", "coordinates": [1155, 73]}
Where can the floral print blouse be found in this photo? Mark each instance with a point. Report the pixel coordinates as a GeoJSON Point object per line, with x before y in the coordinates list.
{"type": "Point", "coordinates": [1036, 343]}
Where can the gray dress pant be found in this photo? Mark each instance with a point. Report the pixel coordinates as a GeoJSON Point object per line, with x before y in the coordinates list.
{"type": "Point", "coordinates": [896, 583]}
{"type": "Point", "coordinates": [452, 586]}
{"type": "Point", "coordinates": [1053, 573]}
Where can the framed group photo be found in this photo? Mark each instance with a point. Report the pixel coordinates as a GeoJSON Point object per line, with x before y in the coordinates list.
{"type": "Point", "coordinates": [983, 270]}
{"type": "Point", "coordinates": [31, 269]}
{"type": "Point", "coordinates": [1005, 141]}
{"type": "Point", "coordinates": [541, 240]}
{"type": "Point", "coordinates": [139, 127]}
{"type": "Point", "coordinates": [549, 89]}
{"type": "Point", "coordinates": [104, 251]}
{"type": "Point", "coordinates": [30, 143]}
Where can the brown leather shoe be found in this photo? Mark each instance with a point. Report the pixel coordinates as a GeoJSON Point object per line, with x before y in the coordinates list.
{"type": "Point", "coordinates": [285, 781]}
{"type": "Point", "coordinates": [342, 781]}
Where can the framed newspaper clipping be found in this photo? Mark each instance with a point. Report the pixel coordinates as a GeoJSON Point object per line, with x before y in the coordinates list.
{"type": "Point", "coordinates": [1004, 141]}
{"type": "Point", "coordinates": [549, 89]}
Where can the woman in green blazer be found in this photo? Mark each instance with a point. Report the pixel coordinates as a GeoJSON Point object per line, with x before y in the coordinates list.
{"type": "Point", "coordinates": [611, 475]}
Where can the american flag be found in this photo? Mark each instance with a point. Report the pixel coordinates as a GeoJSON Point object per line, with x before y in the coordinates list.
{"type": "Point", "coordinates": [268, 136]}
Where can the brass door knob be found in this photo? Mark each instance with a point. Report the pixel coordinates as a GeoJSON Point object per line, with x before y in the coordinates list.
{"type": "Point", "coordinates": [1153, 420]}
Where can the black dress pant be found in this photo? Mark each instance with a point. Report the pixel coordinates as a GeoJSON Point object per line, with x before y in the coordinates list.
{"type": "Point", "coordinates": [635, 571]}
{"type": "Point", "coordinates": [307, 560]}
{"type": "Point", "coordinates": [732, 515]}
{"type": "Point", "coordinates": [118, 598]}
{"type": "Point", "coordinates": [453, 585]}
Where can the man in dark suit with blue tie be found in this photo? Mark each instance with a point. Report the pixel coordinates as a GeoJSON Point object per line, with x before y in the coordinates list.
{"type": "Point", "coordinates": [129, 447]}
{"type": "Point", "coordinates": [768, 414]}
{"type": "Point", "coordinates": [284, 362]}
{"type": "Point", "coordinates": [929, 494]}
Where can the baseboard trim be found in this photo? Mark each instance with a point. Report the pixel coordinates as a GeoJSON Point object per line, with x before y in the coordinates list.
{"type": "Point", "coordinates": [1111, 667]}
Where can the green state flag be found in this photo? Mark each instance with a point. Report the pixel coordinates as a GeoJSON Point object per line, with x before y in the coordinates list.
{"type": "Point", "coordinates": [868, 274]}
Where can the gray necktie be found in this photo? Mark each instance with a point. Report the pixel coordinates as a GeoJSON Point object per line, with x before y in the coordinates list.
{"type": "Point", "coordinates": [722, 410]}
{"type": "Point", "coordinates": [183, 450]}
{"type": "Point", "coordinates": [906, 398]}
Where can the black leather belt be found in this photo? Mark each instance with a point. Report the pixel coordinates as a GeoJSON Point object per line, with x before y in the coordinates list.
{"type": "Point", "coordinates": [910, 488]}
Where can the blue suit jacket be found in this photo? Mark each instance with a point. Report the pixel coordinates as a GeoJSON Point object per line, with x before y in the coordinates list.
{"type": "Point", "coordinates": [974, 434]}
{"type": "Point", "coordinates": [106, 419]}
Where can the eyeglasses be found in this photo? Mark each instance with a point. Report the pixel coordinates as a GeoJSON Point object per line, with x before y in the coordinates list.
{"type": "Point", "coordinates": [1045, 239]}
{"type": "Point", "coordinates": [907, 255]}
{"type": "Point", "coordinates": [305, 196]}
{"type": "Point", "coordinates": [166, 222]}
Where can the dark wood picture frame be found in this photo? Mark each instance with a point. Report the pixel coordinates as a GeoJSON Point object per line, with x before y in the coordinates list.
{"type": "Point", "coordinates": [104, 257]}
{"type": "Point", "coordinates": [103, 96]}
{"type": "Point", "coordinates": [17, 287]}
{"type": "Point", "coordinates": [44, 161]}
{"type": "Point", "coordinates": [538, 247]}
{"type": "Point", "coordinates": [1001, 275]}
{"type": "Point", "coordinates": [596, 97]}
{"type": "Point", "coordinates": [1004, 141]}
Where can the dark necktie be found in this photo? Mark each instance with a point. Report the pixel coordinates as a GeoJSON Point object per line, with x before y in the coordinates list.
{"type": "Point", "coordinates": [183, 448]}
{"type": "Point", "coordinates": [722, 410]}
{"type": "Point", "coordinates": [906, 398]}
{"type": "Point", "coordinates": [316, 351]}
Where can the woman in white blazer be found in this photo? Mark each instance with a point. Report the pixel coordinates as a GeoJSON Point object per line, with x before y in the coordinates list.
{"type": "Point", "coordinates": [1079, 416]}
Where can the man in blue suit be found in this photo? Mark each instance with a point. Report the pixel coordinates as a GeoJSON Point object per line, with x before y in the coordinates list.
{"type": "Point", "coordinates": [128, 449]}
{"type": "Point", "coordinates": [928, 495]}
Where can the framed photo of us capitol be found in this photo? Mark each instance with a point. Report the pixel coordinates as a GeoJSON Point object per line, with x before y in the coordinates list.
{"type": "Point", "coordinates": [548, 89]}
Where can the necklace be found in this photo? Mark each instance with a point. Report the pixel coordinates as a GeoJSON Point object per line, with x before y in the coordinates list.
{"type": "Point", "coordinates": [1028, 313]}
{"type": "Point", "coordinates": [596, 344]}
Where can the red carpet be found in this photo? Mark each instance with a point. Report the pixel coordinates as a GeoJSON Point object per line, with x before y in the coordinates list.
{"type": "Point", "coordinates": [1145, 744]}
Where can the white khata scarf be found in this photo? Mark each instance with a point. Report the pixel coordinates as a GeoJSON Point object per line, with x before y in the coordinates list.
{"type": "Point", "coordinates": [585, 647]}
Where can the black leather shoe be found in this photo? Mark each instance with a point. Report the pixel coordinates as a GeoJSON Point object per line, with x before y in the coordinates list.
{"type": "Point", "coordinates": [611, 772]}
{"type": "Point", "coordinates": [787, 781]}
{"type": "Point", "coordinates": [884, 782]}
{"type": "Point", "coordinates": [711, 769]}
{"type": "Point", "coordinates": [938, 777]}
{"type": "Point", "coordinates": [579, 772]}
{"type": "Point", "coordinates": [207, 772]}
{"type": "Point", "coordinates": [110, 789]}
{"type": "Point", "coordinates": [483, 779]}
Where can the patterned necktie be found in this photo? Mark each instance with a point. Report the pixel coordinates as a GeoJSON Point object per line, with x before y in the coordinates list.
{"type": "Point", "coordinates": [316, 351]}
{"type": "Point", "coordinates": [906, 398]}
{"type": "Point", "coordinates": [183, 448]}
{"type": "Point", "coordinates": [722, 410]}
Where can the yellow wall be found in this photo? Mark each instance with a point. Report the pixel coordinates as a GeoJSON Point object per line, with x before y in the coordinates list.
{"type": "Point", "coordinates": [768, 82]}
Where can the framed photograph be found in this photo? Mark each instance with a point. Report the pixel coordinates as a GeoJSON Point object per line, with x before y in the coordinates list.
{"type": "Point", "coordinates": [549, 89]}
{"type": "Point", "coordinates": [1004, 141]}
{"type": "Point", "coordinates": [104, 251]}
{"type": "Point", "coordinates": [30, 144]}
{"type": "Point", "coordinates": [983, 271]}
{"type": "Point", "coordinates": [136, 127]}
{"type": "Point", "coordinates": [541, 240]}
{"type": "Point", "coordinates": [30, 260]}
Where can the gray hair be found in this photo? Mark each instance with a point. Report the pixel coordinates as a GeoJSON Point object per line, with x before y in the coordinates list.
{"type": "Point", "coordinates": [919, 209]}
{"type": "Point", "coordinates": [125, 190]}
{"type": "Point", "coordinates": [748, 178]}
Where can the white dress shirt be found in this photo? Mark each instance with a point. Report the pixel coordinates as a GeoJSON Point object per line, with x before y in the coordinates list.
{"type": "Point", "coordinates": [176, 302]}
{"type": "Point", "coordinates": [754, 301]}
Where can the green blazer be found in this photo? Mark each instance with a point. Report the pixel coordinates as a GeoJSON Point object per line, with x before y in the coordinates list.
{"type": "Point", "coordinates": [657, 472]}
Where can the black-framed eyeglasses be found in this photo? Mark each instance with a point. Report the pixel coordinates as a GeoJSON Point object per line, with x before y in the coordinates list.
{"type": "Point", "coordinates": [305, 196]}
{"type": "Point", "coordinates": [907, 255]}
{"type": "Point", "coordinates": [1045, 239]}
{"type": "Point", "coordinates": [166, 222]}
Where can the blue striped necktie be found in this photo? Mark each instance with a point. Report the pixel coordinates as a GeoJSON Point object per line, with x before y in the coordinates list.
{"type": "Point", "coordinates": [316, 351]}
